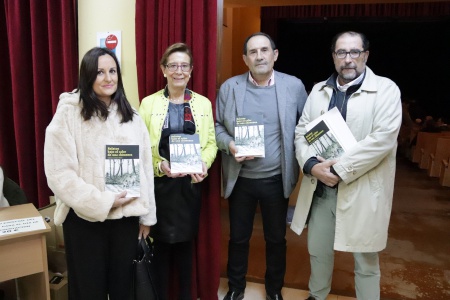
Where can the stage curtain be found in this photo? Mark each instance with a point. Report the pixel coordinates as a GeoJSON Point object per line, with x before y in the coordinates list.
{"type": "Point", "coordinates": [158, 25]}
{"type": "Point", "coordinates": [39, 60]}
{"type": "Point", "coordinates": [271, 14]}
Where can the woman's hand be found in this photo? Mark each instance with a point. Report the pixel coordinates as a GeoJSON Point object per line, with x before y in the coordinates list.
{"type": "Point", "coordinates": [165, 167]}
{"type": "Point", "coordinates": [144, 231]}
{"type": "Point", "coordinates": [120, 199]}
{"type": "Point", "coordinates": [201, 176]}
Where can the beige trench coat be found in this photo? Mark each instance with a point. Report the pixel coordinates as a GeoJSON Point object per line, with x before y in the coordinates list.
{"type": "Point", "coordinates": [367, 170]}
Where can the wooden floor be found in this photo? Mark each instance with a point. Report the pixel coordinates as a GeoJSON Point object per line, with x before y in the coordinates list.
{"type": "Point", "coordinates": [415, 264]}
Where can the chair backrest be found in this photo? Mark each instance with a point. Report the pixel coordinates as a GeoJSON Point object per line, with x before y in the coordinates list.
{"type": "Point", "coordinates": [422, 138]}
{"type": "Point", "coordinates": [442, 152]}
{"type": "Point", "coordinates": [13, 192]}
{"type": "Point", "coordinates": [424, 141]}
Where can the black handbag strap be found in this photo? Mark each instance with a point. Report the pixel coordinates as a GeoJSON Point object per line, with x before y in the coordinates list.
{"type": "Point", "coordinates": [145, 249]}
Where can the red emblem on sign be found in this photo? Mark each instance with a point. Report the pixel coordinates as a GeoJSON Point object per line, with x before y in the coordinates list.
{"type": "Point", "coordinates": [111, 42]}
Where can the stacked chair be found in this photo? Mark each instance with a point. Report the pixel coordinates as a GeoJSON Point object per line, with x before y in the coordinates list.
{"type": "Point", "coordinates": [432, 153]}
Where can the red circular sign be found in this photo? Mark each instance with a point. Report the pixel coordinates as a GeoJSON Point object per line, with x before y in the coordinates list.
{"type": "Point", "coordinates": [111, 42]}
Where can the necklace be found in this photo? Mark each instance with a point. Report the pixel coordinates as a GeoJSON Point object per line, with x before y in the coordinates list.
{"type": "Point", "coordinates": [176, 100]}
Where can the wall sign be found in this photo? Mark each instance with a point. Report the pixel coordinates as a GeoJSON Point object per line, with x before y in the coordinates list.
{"type": "Point", "coordinates": [111, 40]}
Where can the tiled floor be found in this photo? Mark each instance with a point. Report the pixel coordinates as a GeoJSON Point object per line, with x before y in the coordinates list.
{"type": "Point", "coordinates": [255, 291]}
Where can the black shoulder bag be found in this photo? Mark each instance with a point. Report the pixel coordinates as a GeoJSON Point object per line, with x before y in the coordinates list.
{"type": "Point", "coordinates": [143, 284]}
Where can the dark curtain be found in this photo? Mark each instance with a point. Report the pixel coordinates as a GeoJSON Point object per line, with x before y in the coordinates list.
{"type": "Point", "coordinates": [271, 15]}
{"type": "Point", "coordinates": [158, 25]}
{"type": "Point", "coordinates": [38, 61]}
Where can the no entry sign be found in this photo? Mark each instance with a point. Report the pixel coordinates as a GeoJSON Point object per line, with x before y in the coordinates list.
{"type": "Point", "coordinates": [111, 41]}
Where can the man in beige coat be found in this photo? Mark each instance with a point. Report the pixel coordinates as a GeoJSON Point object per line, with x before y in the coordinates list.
{"type": "Point", "coordinates": [349, 199]}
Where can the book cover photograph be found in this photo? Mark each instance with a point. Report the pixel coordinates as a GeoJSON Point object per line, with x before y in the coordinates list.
{"type": "Point", "coordinates": [122, 169]}
{"type": "Point", "coordinates": [329, 135]}
{"type": "Point", "coordinates": [323, 142]}
{"type": "Point", "coordinates": [185, 154]}
{"type": "Point", "coordinates": [249, 136]}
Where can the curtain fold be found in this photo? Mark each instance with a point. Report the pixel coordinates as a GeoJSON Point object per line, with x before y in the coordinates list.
{"type": "Point", "coordinates": [39, 60]}
{"type": "Point", "coordinates": [158, 25]}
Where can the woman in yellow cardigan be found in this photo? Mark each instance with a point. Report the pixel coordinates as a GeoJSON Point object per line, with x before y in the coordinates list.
{"type": "Point", "coordinates": [176, 109]}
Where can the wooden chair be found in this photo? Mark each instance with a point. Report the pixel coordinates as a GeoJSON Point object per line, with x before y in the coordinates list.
{"type": "Point", "coordinates": [422, 144]}
{"type": "Point", "coordinates": [442, 152]}
{"type": "Point", "coordinates": [444, 176]}
{"type": "Point", "coordinates": [429, 147]}
{"type": "Point", "coordinates": [422, 139]}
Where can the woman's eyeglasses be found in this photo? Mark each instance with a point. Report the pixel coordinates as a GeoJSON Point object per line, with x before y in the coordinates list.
{"type": "Point", "coordinates": [174, 67]}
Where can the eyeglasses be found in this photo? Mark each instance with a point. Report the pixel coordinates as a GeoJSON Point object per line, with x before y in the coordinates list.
{"type": "Point", "coordinates": [174, 67]}
{"type": "Point", "coordinates": [354, 53]}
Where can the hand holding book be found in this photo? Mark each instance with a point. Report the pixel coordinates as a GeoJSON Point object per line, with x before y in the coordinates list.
{"type": "Point", "coordinates": [249, 136]}
{"type": "Point", "coordinates": [185, 154]}
{"type": "Point", "coordinates": [322, 171]}
{"type": "Point", "coordinates": [121, 199]}
{"type": "Point", "coordinates": [234, 150]}
{"type": "Point", "coordinates": [165, 168]}
{"type": "Point", "coordinates": [200, 177]}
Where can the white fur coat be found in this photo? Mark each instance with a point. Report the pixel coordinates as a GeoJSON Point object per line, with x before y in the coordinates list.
{"type": "Point", "coordinates": [74, 159]}
{"type": "Point", "coordinates": [3, 201]}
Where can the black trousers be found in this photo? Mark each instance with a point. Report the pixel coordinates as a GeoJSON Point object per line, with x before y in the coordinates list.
{"type": "Point", "coordinates": [247, 193]}
{"type": "Point", "coordinates": [173, 263]}
{"type": "Point", "coordinates": [100, 257]}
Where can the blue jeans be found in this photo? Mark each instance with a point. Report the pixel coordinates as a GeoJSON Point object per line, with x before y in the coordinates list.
{"type": "Point", "coordinates": [247, 193]}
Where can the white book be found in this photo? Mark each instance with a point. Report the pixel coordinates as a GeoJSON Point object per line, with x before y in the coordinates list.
{"type": "Point", "coordinates": [122, 169]}
{"type": "Point", "coordinates": [185, 154]}
{"type": "Point", "coordinates": [329, 135]}
{"type": "Point", "coordinates": [249, 136]}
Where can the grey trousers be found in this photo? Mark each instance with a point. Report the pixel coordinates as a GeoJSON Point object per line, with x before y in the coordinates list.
{"type": "Point", "coordinates": [321, 230]}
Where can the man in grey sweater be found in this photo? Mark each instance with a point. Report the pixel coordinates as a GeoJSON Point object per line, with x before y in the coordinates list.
{"type": "Point", "coordinates": [279, 98]}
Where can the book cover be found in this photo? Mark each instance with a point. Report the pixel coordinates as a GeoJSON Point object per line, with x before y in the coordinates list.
{"type": "Point", "coordinates": [249, 136]}
{"type": "Point", "coordinates": [185, 154]}
{"type": "Point", "coordinates": [122, 169]}
{"type": "Point", "coordinates": [329, 135]}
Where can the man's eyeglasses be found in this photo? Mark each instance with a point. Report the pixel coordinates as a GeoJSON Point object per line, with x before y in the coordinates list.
{"type": "Point", "coordinates": [353, 53]}
{"type": "Point", "coordinates": [174, 67]}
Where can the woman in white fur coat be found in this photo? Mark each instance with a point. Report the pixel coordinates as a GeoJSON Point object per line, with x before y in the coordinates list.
{"type": "Point", "coordinates": [101, 228]}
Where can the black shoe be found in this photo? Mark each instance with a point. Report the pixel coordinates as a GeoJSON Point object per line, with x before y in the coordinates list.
{"type": "Point", "coordinates": [274, 297]}
{"type": "Point", "coordinates": [234, 295]}
{"type": "Point", "coordinates": [310, 298]}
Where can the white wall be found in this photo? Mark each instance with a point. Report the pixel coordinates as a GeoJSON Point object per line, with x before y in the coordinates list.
{"type": "Point", "coordinates": [111, 15]}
